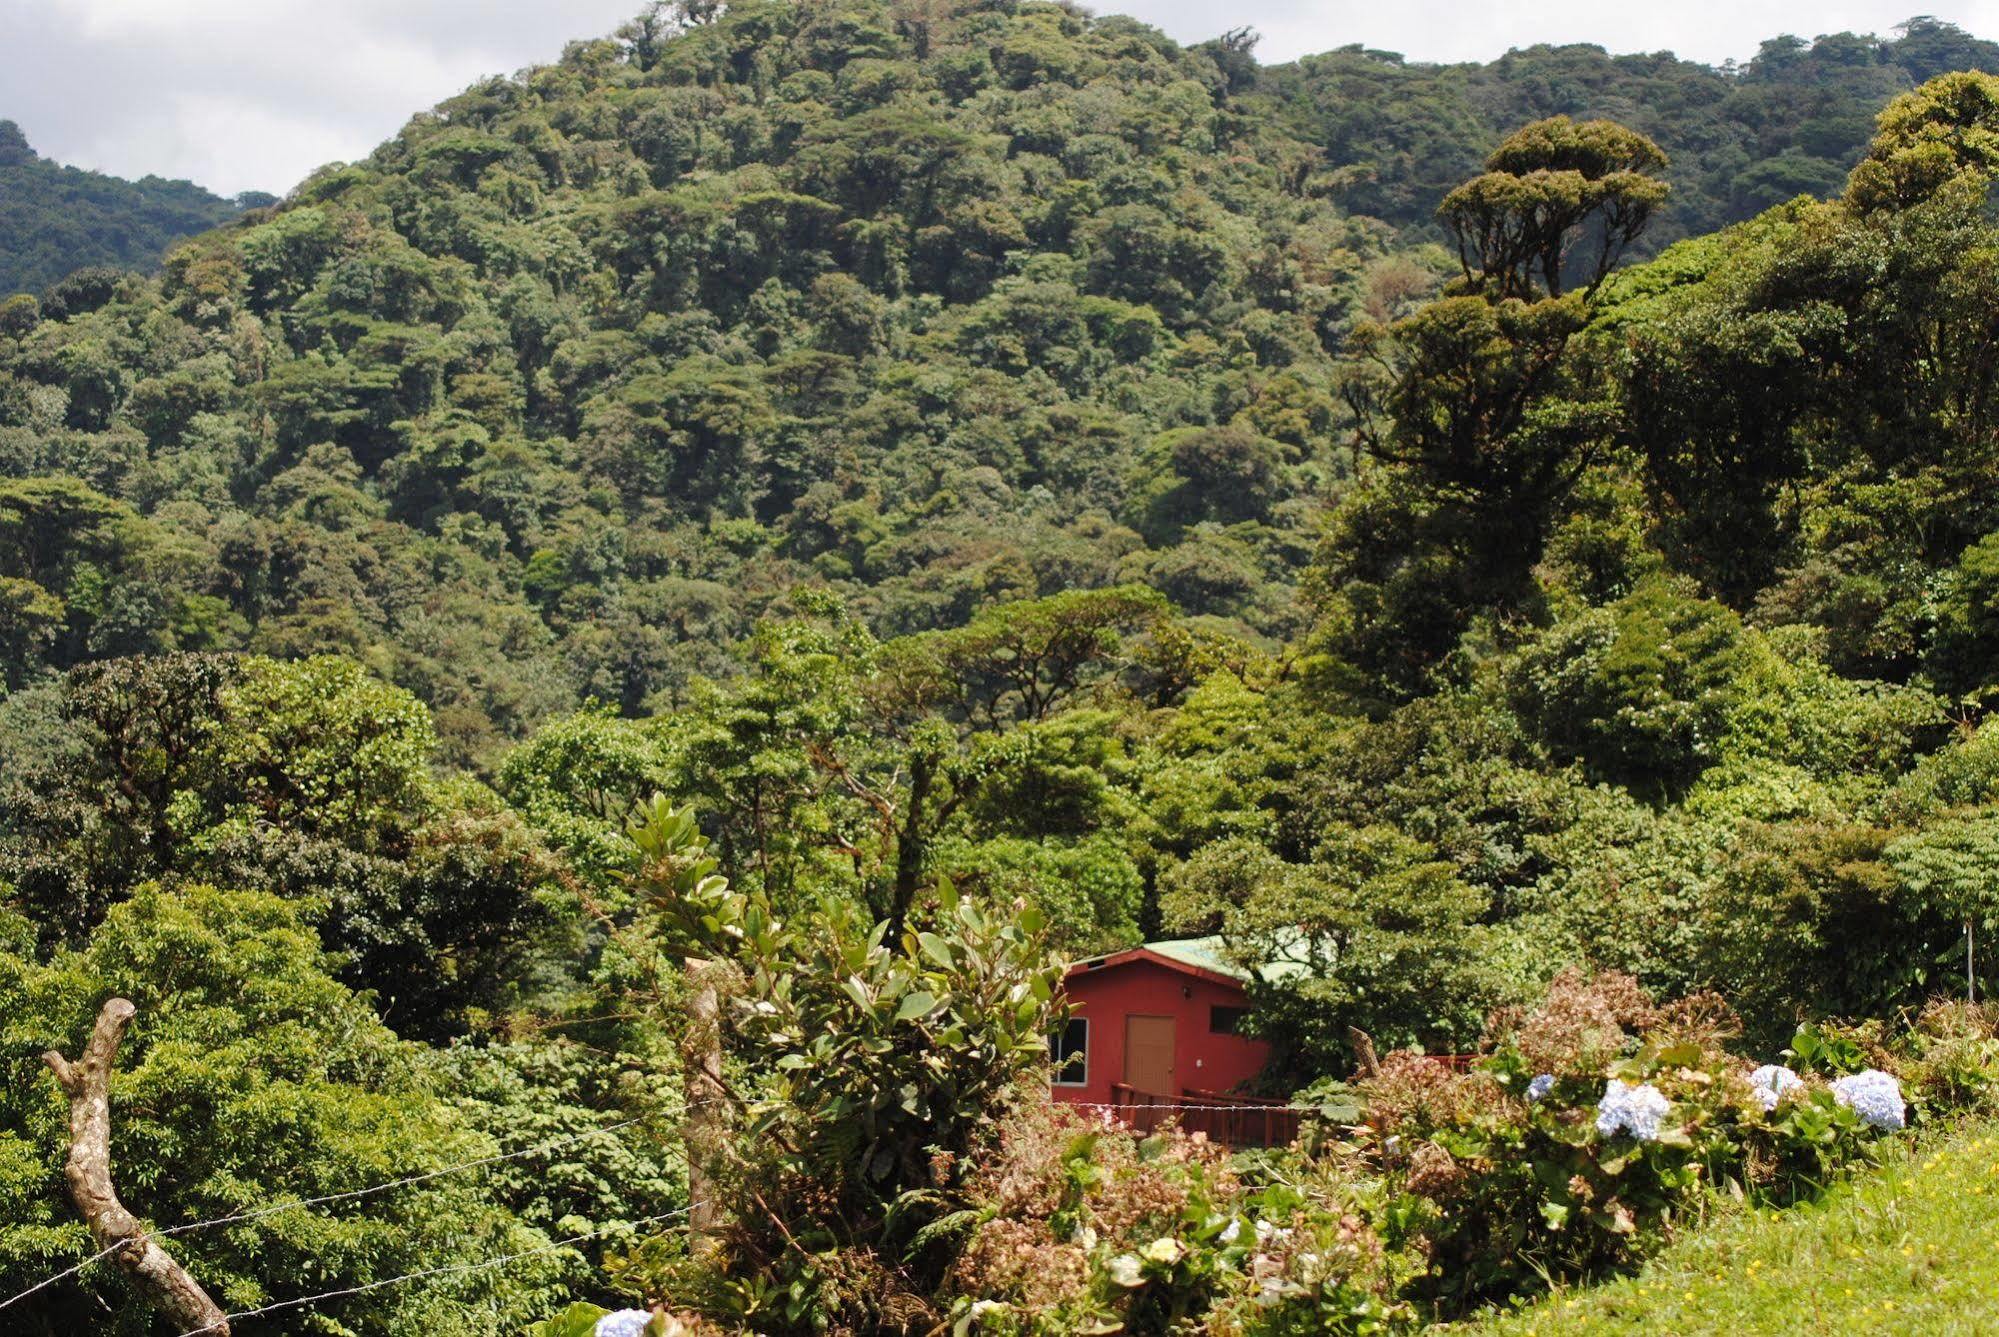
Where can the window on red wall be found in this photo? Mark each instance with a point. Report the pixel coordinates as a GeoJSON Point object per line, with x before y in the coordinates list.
{"type": "Point", "coordinates": [1069, 1047]}
{"type": "Point", "coordinates": [1225, 1020]}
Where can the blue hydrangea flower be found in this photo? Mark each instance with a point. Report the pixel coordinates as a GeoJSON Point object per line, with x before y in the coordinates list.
{"type": "Point", "coordinates": [1631, 1108]}
{"type": "Point", "coordinates": [1772, 1082]}
{"type": "Point", "coordinates": [1875, 1096]}
{"type": "Point", "coordinates": [1540, 1086]}
{"type": "Point", "coordinates": [624, 1323]}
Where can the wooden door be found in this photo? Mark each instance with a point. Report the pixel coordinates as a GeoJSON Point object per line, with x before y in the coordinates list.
{"type": "Point", "coordinates": [1148, 1055]}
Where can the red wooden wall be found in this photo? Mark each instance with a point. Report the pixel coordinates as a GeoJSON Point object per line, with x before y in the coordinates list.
{"type": "Point", "coordinates": [1202, 1060]}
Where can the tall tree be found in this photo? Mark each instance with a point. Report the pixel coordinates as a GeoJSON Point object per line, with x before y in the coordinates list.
{"type": "Point", "coordinates": [1947, 130]}
{"type": "Point", "coordinates": [1554, 186]}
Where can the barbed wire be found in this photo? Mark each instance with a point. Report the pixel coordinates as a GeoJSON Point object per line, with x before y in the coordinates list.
{"type": "Point", "coordinates": [67, 1272]}
{"type": "Point", "coordinates": [372, 1189]}
{"type": "Point", "coordinates": [349, 1195]}
{"type": "Point", "coordinates": [449, 1269]}
{"type": "Point", "coordinates": [1193, 1109]}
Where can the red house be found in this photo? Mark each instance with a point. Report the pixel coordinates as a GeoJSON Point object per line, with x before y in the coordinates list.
{"type": "Point", "coordinates": [1155, 1025]}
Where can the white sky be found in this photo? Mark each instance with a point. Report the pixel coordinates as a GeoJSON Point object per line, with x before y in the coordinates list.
{"type": "Point", "coordinates": [253, 94]}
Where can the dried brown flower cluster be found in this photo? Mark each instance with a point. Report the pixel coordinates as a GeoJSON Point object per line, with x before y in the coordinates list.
{"type": "Point", "coordinates": [1584, 1022]}
{"type": "Point", "coordinates": [1413, 1091]}
{"type": "Point", "coordinates": [1703, 1019]}
{"type": "Point", "coordinates": [1127, 1196]}
{"type": "Point", "coordinates": [1434, 1172]}
{"type": "Point", "coordinates": [1022, 1260]}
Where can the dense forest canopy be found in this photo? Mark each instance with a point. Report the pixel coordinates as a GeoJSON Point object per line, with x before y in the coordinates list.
{"type": "Point", "coordinates": [1399, 135]}
{"type": "Point", "coordinates": [1026, 486]}
{"type": "Point", "coordinates": [55, 220]}
{"type": "Point", "coordinates": [558, 392]}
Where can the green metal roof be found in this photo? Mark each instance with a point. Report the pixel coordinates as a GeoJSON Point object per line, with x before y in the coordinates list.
{"type": "Point", "coordinates": [1205, 953]}
{"type": "Point", "coordinates": [1208, 954]}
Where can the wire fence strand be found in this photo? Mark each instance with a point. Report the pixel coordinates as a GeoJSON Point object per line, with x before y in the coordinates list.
{"type": "Point", "coordinates": [349, 1195]}
{"type": "Point", "coordinates": [352, 1194]}
{"type": "Point", "coordinates": [450, 1269]}
{"type": "Point", "coordinates": [1190, 1108]}
{"type": "Point", "coordinates": [65, 1274]}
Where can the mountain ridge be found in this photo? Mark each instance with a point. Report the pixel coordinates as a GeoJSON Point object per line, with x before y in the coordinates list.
{"type": "Point", "coordinates": [56, 220]}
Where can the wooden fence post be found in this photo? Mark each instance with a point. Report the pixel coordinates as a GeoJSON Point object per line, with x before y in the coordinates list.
{"type": "Point", "coordinates": [703, 1133]}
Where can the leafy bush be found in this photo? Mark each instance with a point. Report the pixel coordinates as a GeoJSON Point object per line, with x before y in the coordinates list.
{"type": "Point", "coordinates": [1595, 1125]}
{"type": "Point", "coordinates": [251, 1077]}
{"type": "Point", "coordinates": [873, 1070]}
{"type": "Point", "coordinates": [1949, 1059]}
{"type": "Point", "coordinates": [1081, 1228]}
{"type": "Point", "coordinates": [1391, 941]}
{"type": "Point", "coordinates": [308, 778]}
{"type": "Point", "coordinates": [1641, 691]}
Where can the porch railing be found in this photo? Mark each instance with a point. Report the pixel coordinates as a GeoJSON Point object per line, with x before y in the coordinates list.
{"type": "Point", "coordinates": [1235, 1121]}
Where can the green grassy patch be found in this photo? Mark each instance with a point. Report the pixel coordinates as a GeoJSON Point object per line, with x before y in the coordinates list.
{"type": "Point", "coordinates": [1907, 1248]}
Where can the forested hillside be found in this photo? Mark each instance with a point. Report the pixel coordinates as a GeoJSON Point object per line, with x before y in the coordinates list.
{"type": "Point", "coordinates": [1791, 121]}
{"type": "Point", "coordinates": [558, 392]}
{"type": "Point", "coordinates": [55, 220]}
{"type": "Point", "coordinates": [587, 670]}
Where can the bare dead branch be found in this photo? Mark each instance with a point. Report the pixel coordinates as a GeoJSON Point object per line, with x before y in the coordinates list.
{"type": "Point", "coordinates": [165, 1285]}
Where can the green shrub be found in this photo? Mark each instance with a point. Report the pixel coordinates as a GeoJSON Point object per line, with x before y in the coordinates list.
{"type": "Point", "coordinates": [1081, 1228]}
{"type": "Point", "coordinates": [1512, 1181]}
{"type": "Point", "coordinates": [1949, 1059]}
{"type": "Point", "coordinates": [871, 1069]}
{"type": "Point", "coordinates": [1640, 691]}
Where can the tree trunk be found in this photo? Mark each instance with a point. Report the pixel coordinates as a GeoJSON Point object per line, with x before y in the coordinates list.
{"type": "Point", "coordinates": [909, 845]}
{"type": "Point", "coordinates": [1363, 1052]}
{"type": "Point", "coordinates": [703, 1133]}
{"type": "Point", "coordinates": [87, 1083]}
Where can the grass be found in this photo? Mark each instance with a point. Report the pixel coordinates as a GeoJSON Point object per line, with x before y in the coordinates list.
{"type": "Point", "coordinates": [1909, 1247]}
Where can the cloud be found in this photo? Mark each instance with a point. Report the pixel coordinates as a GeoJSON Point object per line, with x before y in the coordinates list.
{"type": "Point", "coordinates": [254, 94]}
